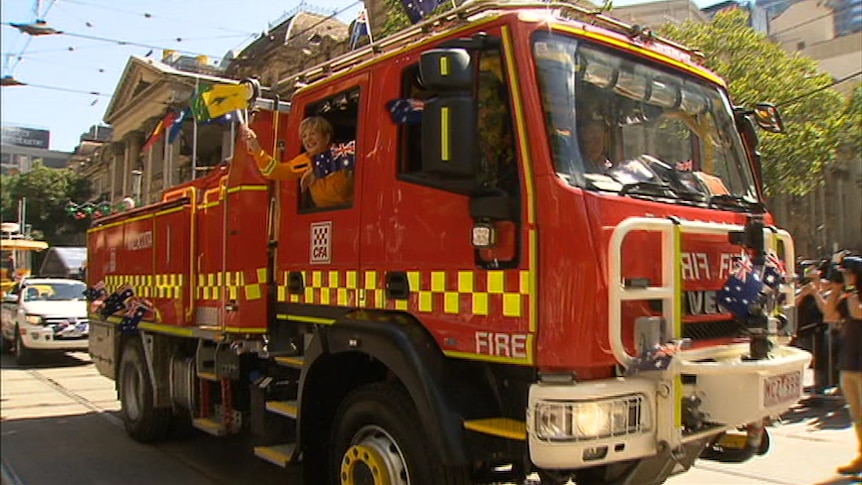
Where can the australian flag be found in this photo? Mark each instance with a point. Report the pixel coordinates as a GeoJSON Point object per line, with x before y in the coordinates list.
{"type": "Point", "coordinates": [406, 111]}
{"type": "Point", "coordinates": [773, 271]}
{"type": "Point", "coordinates": [418, 9]}
{"type": "Point", "coordinates": [138, 307]}
{"type": "Point", "coordinates": [360, 29]}
{"type": "Point", "coordinates": [340, 156]}
{"type": "Point", "coordinates": [742, 289]}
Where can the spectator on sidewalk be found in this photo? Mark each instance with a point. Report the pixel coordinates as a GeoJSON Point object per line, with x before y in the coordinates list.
{"type": "Point", "coordinates": [843, 305]}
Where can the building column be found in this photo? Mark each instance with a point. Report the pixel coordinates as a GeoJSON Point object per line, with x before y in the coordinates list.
{"type": "Point", "coordinates": [134, 142]}
{"type": "Point", "coordinates": [117, 158]}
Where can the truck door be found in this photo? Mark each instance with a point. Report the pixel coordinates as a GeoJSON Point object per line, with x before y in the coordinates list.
{"type": "Point", "coordinates": [476, 302]}
{"type": "Point", "coordinates": [318, 246]}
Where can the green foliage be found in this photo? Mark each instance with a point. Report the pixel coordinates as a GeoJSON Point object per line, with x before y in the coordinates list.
{"type": "Point", "coordinates": [851, 131]}
{"type": "Point", "coordinates": [396, 18]}
{"type": "Point", "coordinates": [758, 70]}
{"type": "Point", "coordinates": [47, 191]}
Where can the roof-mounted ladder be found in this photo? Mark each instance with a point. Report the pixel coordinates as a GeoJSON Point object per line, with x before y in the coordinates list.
{"type": "Point", "coordinates": [467, 10]}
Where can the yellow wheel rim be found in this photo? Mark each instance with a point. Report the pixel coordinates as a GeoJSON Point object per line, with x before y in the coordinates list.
{"type": "Point", "coordinates": [367, 460]}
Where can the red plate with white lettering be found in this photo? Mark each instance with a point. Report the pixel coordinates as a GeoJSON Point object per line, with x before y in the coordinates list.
{"type": "Point", "coordinates": [779, 389]}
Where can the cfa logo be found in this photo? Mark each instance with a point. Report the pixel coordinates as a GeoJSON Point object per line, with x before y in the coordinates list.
{"type": "Point", "coordinates": [321, 242]}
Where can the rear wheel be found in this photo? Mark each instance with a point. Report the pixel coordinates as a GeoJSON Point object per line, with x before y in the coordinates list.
{"type": "Point", "coordinates": [143, 421]}
{"type": "Point", "coordinates": [23, 355]}
{"type": "Point", "coordinates": [378, 440]}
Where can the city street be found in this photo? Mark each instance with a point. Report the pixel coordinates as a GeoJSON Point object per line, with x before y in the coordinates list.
{"type": "Point", "coordinates": [60, 426]}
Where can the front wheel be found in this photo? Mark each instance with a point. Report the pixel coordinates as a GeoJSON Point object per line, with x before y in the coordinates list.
{"type": "Point", "coordinates": [378, 440]}
{"type": "Point", "coordinates": [23, 355]}
{"type": "Point", "coordinates": [143, 421]}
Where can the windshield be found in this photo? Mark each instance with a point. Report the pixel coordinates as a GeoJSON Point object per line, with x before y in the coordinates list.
{"type": "Point", "coordinates": [54, 291]}
{"type": "Point", "coordinates": [616, 123]}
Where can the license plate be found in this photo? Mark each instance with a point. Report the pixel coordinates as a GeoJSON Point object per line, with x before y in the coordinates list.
{"type": "Point", "coordinates": [779, 389]}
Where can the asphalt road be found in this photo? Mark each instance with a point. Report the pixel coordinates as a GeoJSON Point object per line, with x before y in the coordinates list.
{"type": "Point", "coordinates": [59, 425]}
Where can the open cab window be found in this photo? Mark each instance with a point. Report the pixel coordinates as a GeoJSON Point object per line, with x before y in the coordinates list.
{"type": "Point", "coordinates": [617, 123]}
{"type": "Point", "coordinates": [330, 185]}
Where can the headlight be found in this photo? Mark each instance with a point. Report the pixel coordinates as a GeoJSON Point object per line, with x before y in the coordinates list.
{"type": "Point", "coordinates": [34, 319]}
{"type": "Point", "coordinates": [590, 420]}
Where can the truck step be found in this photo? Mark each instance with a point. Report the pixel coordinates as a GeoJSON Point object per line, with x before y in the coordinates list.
{"type": "Point", "coordinates": [277, 454]}
{"type": "Point", "coordinates": [207, 376]}
{"type": "Point", "coordinates": [285, 408]}
{"type": "Point", "coordinates": [501, 427]}
{"type": "Point", "coordinates": [210, 426]}
{"type": "Point", "coordinates": [295, 362]}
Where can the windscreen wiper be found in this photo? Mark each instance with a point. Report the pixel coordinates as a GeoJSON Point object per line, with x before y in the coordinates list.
{"type": "Point", "coordinates": [736, 202]}
{"type": "Point", "coordinates": [648, 188]}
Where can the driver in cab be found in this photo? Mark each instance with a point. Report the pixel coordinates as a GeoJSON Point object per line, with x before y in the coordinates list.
{"type": "Point", "coordinates": [593, 142]}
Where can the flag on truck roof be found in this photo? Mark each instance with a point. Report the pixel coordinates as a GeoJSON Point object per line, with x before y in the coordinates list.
{"type": "Point", "coordinates": [416, 10]}
{"type": "Point", "coordinates": [361, 28]}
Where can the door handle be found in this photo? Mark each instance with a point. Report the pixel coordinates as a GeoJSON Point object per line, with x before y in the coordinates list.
{"type": "Point", "coordinates": [295, 284]}
{"type": "Point", "coordinates": [397, 285]}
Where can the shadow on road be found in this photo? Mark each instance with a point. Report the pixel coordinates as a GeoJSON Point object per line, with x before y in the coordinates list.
{"type": "Point", "coordinates": [52, 359]}
{"type": "Point", "coordinates": [820, 413]}
{"type": "Point", "coordinates": [840, 481]}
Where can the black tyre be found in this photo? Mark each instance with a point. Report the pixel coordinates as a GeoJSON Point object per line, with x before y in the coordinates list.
{"type": "Point", "coordinates": [23, 355]}
{"type": "Point", "coordinates": [378, 438]}
{"type": "Point", "coordinates": [5, 345]}
{"type": "Point", "coordinates": [143, 421]}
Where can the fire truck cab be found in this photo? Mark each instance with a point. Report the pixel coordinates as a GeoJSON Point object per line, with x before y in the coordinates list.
{"type": "Point", "coordinates": [546, 206]}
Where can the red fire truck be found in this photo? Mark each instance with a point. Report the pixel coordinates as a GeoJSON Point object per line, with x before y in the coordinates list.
{"type": "Point", "coordinates": [495, 301]}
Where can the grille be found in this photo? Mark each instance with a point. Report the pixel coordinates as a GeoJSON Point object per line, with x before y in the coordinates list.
{"type": "Point", "coordinates": [720, 329]}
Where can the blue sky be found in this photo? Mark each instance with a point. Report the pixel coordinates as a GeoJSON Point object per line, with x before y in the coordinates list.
{"type": "Point", "coordinates": [62, 70]}
{"type": "Point", "coordinates": [51, 64]}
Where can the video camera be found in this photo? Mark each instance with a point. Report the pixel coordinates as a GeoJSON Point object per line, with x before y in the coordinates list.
{"type": "Point", "coordinates": [841, 261]}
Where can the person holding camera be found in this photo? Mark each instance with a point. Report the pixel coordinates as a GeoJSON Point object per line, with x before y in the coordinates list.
{"type": "Point", "coordinates": [843, 305]}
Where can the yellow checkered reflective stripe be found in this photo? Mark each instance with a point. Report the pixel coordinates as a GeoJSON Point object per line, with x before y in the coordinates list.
{"type": "Point", "coordinates": [148, 286]}
{"type": "Point", "coordinates": [477, 292]}
{"type": "Point", "coordinates": [232, 285]}
{"type": "Point", "coordinates": [236, 285]}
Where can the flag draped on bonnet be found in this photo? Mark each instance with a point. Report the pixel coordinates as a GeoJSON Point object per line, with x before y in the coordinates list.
{"type": "Point", "coordinates": [748, 282]}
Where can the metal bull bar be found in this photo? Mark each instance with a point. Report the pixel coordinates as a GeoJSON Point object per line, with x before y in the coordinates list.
{"type": "Point", "coordinates": [735, 389]}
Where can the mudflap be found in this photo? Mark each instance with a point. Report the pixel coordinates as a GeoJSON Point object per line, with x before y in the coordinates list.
{"type": "Point", "coordinates": [737, 446]}
{"type": "Point", "coordinates": [653, 470]}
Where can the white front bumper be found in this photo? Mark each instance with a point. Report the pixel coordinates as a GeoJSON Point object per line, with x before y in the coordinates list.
{"type": "Point", "coordinates": [732, 392]}
{"type": "Point", "coordinates": [38, 337]}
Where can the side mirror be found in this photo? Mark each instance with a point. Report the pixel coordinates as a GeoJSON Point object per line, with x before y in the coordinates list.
{"type": "Point", "coordinates": [449, 147]}
{"type": "Point", "coordinates": [768, 118]}
{"type": "Point", "coordinates": [449, 126]}
{"type": "Point", "coordinates": [447, 70]}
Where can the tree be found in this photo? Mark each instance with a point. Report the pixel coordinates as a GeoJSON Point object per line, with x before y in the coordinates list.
{"type": "Point", "coordinates": [47, 191]}
{"type": "Point", "coordinates": [758, 70]}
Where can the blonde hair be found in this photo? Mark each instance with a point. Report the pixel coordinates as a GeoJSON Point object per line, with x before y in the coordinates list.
{"type": "Point", "coordinates": [317, 123]}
